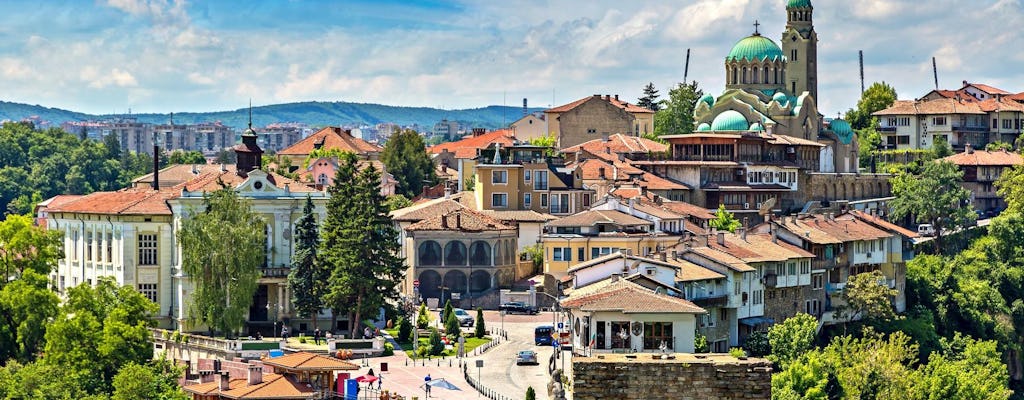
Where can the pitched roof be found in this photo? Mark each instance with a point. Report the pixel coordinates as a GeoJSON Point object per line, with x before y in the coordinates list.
{"type": "Point", "coordinates": [273, 386]}
{"type": "Point", "coordinates": [615, 255]}
{"type": "Point", "coordinates": [427, 209]}
{"type": "Point", "coordinates": [200, 177]}
{"type": "Point", "coordinates": [628, 297]}
{"type": "Point", "coordinates": [330, 137]}
{"type": "Point", "coordinates": [619, 143]}
{"type": "Point", "coordinates": [467, 148]}
{"type": "Point", "coordinates": [594, 217]}
{"type": "Point", "coordinates": [986, 158]}
{"type": "Point", "coordinates": [510, 216]}
{"type": "Point", "coordinates": [992, 104]}
{"type": "Point", "coordinates": [987, 89]}
{"type": "Point", "coordinates": [757, 247]}
{"type": "Point", "coordinates": [214, 387]}
{"type": "Point", "coordinates": [925, 107]}
{"type": "Point", "coordinates": [685, 208]}
{"type": "Point", "coordinates": [463, 220]}
{"type": "Point", "coordinates": [725, 259]}
{"type": "Point", "coordinates": [632, 108]}
{"type": "Point", "coordinates": [881, 223]}
{"type": "Point", "coordinates": [821, 229]}
{"type": "Point", "coordinates": [310, 362]}
{"type": "Point", "coordinates": [132, 201]}
{"type": "Point", "coordinates": [689, 272]}
{"type": "Point", "coordinates": [58, 200]}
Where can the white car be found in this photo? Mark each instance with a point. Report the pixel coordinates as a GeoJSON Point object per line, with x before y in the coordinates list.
{"type": "Point", "coordinates": [926, 230]}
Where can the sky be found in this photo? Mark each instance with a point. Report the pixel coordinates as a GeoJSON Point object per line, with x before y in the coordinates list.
{"type": "Point", "coordinates": [109, 56]}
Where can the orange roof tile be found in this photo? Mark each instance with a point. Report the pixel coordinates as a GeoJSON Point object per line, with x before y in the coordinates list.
{"type": "Point", "coordinates": [213, 387]}
{"type": "Point", "coordinates": [993, 104]}
{"type": "Point", "coordinates": [309, 361]}
{"type": "Point", "coordinates": [463, 220]}
{"type": "Point", "coordinates": [757, 248]}
{"type": "Point", "coordinates": [274, 386]}
{"type": "Point", "coordinates": [594, 217]}
{"type": "Point", "coordinates": [331, 137]}
{"type": "Point", "coordinates": [689, 272]}
{"type": "Point", "coordinates": [986, 158]}
{"type": "Point", "coordinates": [685, 208]}
{"type": "Point", "coordinates": [427, 209]}
{"type": "Point", "coordinates": [988, 89]}
{"type": "Point", "coordinates": [840, 229]}
{"type": "Point", "coordinates": [925, 107]}
{"type": "Point", "coordinates": [130, 201]}
{"type": "Point", "coordinates": [632, 108]}
{"type": "Point", "coordinates": [619, 143]}
{"type": "Point", "coordinates": [467, 148]}
{"type": "Point", "coordinates": [883, 224]}
{"type": "Point", "coordinates": [628, 297]}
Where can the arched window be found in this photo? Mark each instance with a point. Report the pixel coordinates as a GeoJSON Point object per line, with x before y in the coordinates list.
{"type": "Point", "coordinates": [775, 71]}
{"type": "Point", "coordinates": [454, 253]}
{"type": "Point", "coordinates": [734, 78]}
{"type": "Point", "coordinates": [499, 254]}
{"type": "Point", "coordinates": [480, 253]}
{"type": "Point", "coordinates": [755, 76]}
{"type": "Point", "coordinates": [429, 253]}
{"type": "Point", "coordinates": [321, 180]}
{"type": "Point", "coordinates": [745, 75]}
{"type": "Point", "coordinates": [511, 248]}
{"type": "Point", "coordinates": [764, 73]}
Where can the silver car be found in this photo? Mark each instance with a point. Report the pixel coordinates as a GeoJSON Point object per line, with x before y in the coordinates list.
{"type": "Point", "coordinates": [526, 357]}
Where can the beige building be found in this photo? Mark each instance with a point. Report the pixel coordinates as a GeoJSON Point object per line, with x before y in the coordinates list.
{"type": "Point", "coordinates": [595, 117]}
{"type": "Point", "coordinates": [981, 170]}
{"type": "Point", "coordinates": [530, 126]}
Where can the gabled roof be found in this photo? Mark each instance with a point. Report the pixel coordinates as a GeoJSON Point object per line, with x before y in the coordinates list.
{"type": "Point", "coordinates": [881, 223]}
{"type": "Point", "coordinates": [309, 362]}
{"type": "Point", "coordinates": [986, 158]}
{"type": "Point", "coordinates": [467, 148]}
{"type": "Point", "coordinates": [683, 207]}
{"type": "Point", "coordinates": [927, 107]}
{"type": "Point", "coordinates": [274, 386]}
{"type": "Point", "coordinates": [821, 229]}
{"type": "Point", "coordinates": [987, 89]}
{"type": "Point", "coordinates": [511, 216]}
{"type": "Point", "coordinates": [627, 297]}
{"type": "Point", "coordinates": [757, 247]}
{"type": "Point", "coordinates": [330, 137]}
{"type": "Point", "coordinates": [595, 217]}
{"type": "Point", "coordinates": [619, 143]}
{"type": "Point", "coordinates": [617, 255]}
{"type": "Point", "coordinates": [462, 220]}
{"type": "Point", "coordinates": [132, 201]}
{"type": "Point", "coordinates": [992, 104]}
{"type": "Point", "coordinates": [690, 272]}
{"type": "Point", "coordinates": [631, 108]}
{"type": "Point", "coordinates": [58, 200]}
{"type": "Point", "coordinates": [722, 258]}
{"type": "Point", "coordinates": [427, 209]}
{"type": "Point", "coordinates": [214, 387]}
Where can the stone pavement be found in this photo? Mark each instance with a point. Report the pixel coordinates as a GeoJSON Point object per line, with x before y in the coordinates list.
{"type": "Point", "coordinates": [407, 380]}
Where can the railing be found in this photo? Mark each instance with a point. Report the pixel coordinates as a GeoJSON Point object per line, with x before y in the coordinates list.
{"type": "Point", "coordinates": [970, 128]}
{"type": "Point", "coordinates": [823, 264]}
{"type": "Point", "coordinates": [886, 129]}
{"type": "Point", "coordinates": [719, 300]}
{"type": "Point", "coordinates": [559, 209]}
{"type": "Point", "coordinates": [483, 390]}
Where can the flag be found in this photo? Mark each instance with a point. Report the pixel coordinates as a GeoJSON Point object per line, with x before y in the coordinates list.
{"type": "Point", "coordinates": [593, 339]}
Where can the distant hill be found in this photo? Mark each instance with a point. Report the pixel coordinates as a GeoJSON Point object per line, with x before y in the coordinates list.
{"type": "Point", "coordinates": [313, 113]}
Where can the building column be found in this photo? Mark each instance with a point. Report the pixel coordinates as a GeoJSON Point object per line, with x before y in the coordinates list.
{"type": "Point", "coordinates": [280, 301]}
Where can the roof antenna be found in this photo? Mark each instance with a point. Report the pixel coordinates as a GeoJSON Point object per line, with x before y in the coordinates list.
{"type": "Point", "coordinates": [935, 71]}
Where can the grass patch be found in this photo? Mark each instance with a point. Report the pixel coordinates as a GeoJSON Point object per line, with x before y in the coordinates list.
{"type": "Point", "coordinates": [471, 343]}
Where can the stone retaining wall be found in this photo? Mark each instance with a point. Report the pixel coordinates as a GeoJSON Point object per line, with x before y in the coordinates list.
{"type": "Point", "coordinates": [715, 377]}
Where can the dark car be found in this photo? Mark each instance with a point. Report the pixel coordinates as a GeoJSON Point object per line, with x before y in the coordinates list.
{"type": "Point", "coordinates": [517, 307]}
{"type": "Point", "coordinates": [526, 357]}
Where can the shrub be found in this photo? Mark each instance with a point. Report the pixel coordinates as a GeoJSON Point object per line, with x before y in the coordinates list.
{"type": "Point", "coordinates": [737, 352]}
{"type": "Point", "coordinates": [302, 339]}
{"type": "Point", "coordinates": [451, 326]}
{"type": "Point", "coordinates": [447, 311]}
{"type": "Point", "coordinates": [757, 344]}
{"type": "Point", "coordinates": [531, 394]}
{"type": "Point", "coordinates": [389, 350]}
{"type": "Point", "coordinates": [480, 331]}
{"type": "Point", "coordinates": [422, 320]}
{"type": "Point", "coordinates": [436, 346]}
{"type": "Point", "coordinates": [700, 344]}
{"type": "Point", "coordinates": [422, 351]}
{"type": "Point", "coordinates": [404, 331]}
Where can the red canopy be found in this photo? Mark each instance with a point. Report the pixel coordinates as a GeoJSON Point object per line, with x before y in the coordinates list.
{"type": "Point", "coordinates": [366, 378]}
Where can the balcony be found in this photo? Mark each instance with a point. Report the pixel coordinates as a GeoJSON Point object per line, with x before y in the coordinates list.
{"type": "Point", "coordinates": [831, 287]}
{"type": "Point", "coordinates": [771, 280]}
{"type": "Point", "coordinates": [823, 264]}
{"type": "Point", "coordinates": [886, 129]}
{"type": "Point", "coordinates": [559, 209]}
{"type": "Point", "coordinates": [970, 129]}
{"type": "Point", "coordinates": [718, 300]}
{"type": "Point", "coordinates": [275, 272]}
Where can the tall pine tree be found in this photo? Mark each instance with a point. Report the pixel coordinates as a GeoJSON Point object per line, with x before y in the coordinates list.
{"type": "Point", "coordinates": [338, 230]}
{"type": "Point", "coordinates": [405, 157]}
{"type": "Point", "coordinates": [308, 278]}
{"type": "Point", "coordinates": [650, 99]}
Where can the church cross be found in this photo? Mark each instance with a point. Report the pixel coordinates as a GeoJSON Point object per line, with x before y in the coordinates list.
{"type": "Point", "coordinates": [756, 24]}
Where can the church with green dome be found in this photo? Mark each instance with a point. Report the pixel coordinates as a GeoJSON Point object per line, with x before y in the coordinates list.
{"type": "Point", "coordinates": [773, 90]}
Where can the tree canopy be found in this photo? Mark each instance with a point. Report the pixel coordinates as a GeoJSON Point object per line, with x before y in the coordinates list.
{"type": "Point", "coordinates": [724, 220]}
{"type": "Point", "coordinates": [307, 278]}
{"type": "Point", "coordinates": [934, 197]}
{"type": "Point", "coordinates": [650, 98]}
{"type": "Point", "coordinates": [876, 97]}
{"type": "Point", "coordinates": [676, 116]}
{"type": "Point", "coordinates": [405, 157]}
{"type": "Point", "coordinates": [24, 247]}
{"type": "Point", "coordinates": [222, 252]}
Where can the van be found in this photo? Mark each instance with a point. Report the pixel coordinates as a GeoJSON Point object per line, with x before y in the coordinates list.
{"type": "Point", "coordinates": [926, 230]}
{"type": "Point", "coordinates": [542, 335]}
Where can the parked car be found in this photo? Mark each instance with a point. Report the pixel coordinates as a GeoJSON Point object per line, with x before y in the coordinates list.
{"type": "Point", "coordinates": [464, 318]}
{"type": "Point", "coordinates": [517, 307]}
{"type": "Point", "coordinates": [526, 357]}
{"type": "Point", "coordinates": [926, 230]}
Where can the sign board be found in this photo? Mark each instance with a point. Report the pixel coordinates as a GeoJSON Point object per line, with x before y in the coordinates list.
{"type": "Point", "coordinates": [456, 296]}
{"type": "Point", "coordinates": [416, 283]}
{"type": "Point", "coordinates": [479, 363]}
{"type": "Point", "coordinates": [560, 325]}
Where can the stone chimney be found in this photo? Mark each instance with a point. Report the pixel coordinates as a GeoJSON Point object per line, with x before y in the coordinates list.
{"type": "Point", "coordinates": [675, 254]}
{"type": "Point", "coordinates": [615, 278]}
{"type": "Point", "coordinates": [663, 256]}
{"type": "Point", "coordinates": [447, 192]}
{"type": "Point", "coordinates": [255, 374]}
{"type": "Point", "coordinates": [444, 221]}
{"type": "Point", "coordinates": [743, 229]}
{"type": "Point", "coordinates": [604, 137]}
{"type": "Point", "coordinates": [774, 227]}
{"type": "Point", "coordinates": [657, 200]}
{"type": "Point", "coordinates": [616, 97]}
{"type": "Point", "coordinates": [225, 381]}
{"type": "Point", "coordinates": [458, 221]}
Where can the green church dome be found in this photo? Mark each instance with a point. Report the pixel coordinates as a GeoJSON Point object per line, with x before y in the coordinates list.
{"type": "Point", "coordinates": [756, 127]}
{"type": "Point", "coordinates": [708, 98]}
{"type": "Point", "coordinates": [842, 130]}
{"type": "Point", "coordinates": [755, 48]}
{"type": "Point", "coordinates": [703, 127]}
{"type": "Point", "coordinates": [798, 4]}
{"type": "Point", "coordinates": [729, 121]}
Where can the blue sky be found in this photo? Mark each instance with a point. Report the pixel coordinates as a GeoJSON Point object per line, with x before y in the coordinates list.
{"type": "Point", "coordinates": [108, 56]}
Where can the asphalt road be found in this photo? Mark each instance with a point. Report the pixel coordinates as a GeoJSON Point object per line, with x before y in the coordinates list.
{"type": "Point", "coordinates": [500, 372]}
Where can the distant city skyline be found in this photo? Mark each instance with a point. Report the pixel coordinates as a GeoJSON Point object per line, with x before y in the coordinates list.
{"type": "Point", "coordinates": [164, 56]}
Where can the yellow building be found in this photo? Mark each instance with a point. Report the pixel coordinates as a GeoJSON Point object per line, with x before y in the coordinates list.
{"type": "Point", "coordinates": [521, 178]}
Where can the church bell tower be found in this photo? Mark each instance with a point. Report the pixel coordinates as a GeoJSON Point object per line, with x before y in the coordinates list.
{"type": "Point", "coordinates": [800, 45]}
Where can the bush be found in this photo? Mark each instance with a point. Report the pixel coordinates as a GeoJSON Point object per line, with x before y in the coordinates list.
{"type": "Point", "coordinates": [451, 326]}
{"type": "Point", "coordinates": [737, 352]}
{"type": "Point", "coordinates": [422, 320]}
{"type": "Point", "coordinates": [531, 394]}
{"type": "Point", "coordinates": [480, 331]}
{"type": "Point", "coordinates": [757, 344]}
{"type": "Point", "coordinates": [436, 346]}
{"type": "Point", "coordinates": [302, 339]}
{"type": "Point", "coordinates": [700, 344]}
{"type": "Point", "coordinates": [447, 311]}
{"type": "Point", "coordinates": [422, 351]}
{"type": "Point", "coordinates": [404, 331]}
{"type": "Point", "coordinates": [389, 350]}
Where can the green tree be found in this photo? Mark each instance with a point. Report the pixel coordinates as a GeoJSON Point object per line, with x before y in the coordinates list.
{"type": "Point", "coordinates": [550, 141]}
{"type": "Point", "coordinates": [405, 157]}
{"type": "Point", "coordinates": [941, 148]}
{"type": "Point", "coordinates": [792, 338]}
{"type": "Point", "coordinates": [700, 344]}
{"type": "Point", "coordinates": [868, 140]}
{"type": "Point", "coordinates": [966, 369]}
{"type": "Point", "coordinates": [185, 157]}
{"type": "Point", "coordinates": [677, 115]}
{"type": "Point", "coordinates": [307, 277]}
{"type": "Point", "coordinates": [446, 311]}
{"type": "Point", "coordinates": [451, 326]}
{"type": "Point", "coordinates": [26, 306]}
{"type": "Point", "coordinates": [650, 98]}
{"type": "Point", "coordinates": [867, 297]}
{"type": "Point", "coordinates": [155, 381]}
{"type": "Point", "coordinates": [422, 318]}
{"type": "Point", "coordinates": [481, 329]}
{"type": "Point", "coordinates": [806, 379]}
{"type": "Point", "coordinates": [404, 330]}
{"type": "Point", "coordinates": [1010, 186]}
{"type": "Point", "coordinates": [112, 146]}
{"type": "Point", "coordinates": [997, 146]}
{"type": "Point", "coordinates": [26, 247]}
{"type": "Point", "coordinates": [360, 244]}
{"type": "Point", "coordinates": [757, 344]}
{"type": "Point", "coordinates": [396, 202]}
{"type": "Point", "coordinates": [222, 249]}
{"type": "Point", "coordinates": [436, 345]}
{"type": "Point", "coordinates": [877, 97]}
{"type": "Point", "coordinates": [724, 220]}
{"type": "Point", "coordinates": [531, 394]}
{"type": "Point", "coordinates": [935, 197]}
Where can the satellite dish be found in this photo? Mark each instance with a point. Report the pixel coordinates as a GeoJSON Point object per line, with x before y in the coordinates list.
{"type": "Point", "coordinates": [766, 208]}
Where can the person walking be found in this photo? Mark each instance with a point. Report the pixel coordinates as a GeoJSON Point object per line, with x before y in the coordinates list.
{"type": "Point", "coordinates": [426, 385]}
{"type": "Point", "coordinates": [284, 332]}
{"type": "Point", "coordinates": [316, 336]}
{"type": "Point", "coordinates": [380, 381]}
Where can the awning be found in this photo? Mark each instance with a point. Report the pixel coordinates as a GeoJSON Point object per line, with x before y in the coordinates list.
{"type": "Point", "coordinates": [754, 321]}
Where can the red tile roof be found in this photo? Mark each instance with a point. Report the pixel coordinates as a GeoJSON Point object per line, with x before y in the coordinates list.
{"type": "Point", "coordinates": [926, 107]}
{"type": "Point", "coordinates": [427, 209]}
{"type": "Point", "coordinates": [467, 148]}
{"type": "Point", "coordinates": [986, 158]}
{"type": "Point", "coordinates": [594, 217]}
{"type": "Point", "coordinates": [309, 362]}
{"type": "Point", "coordinates": [627, 297]}
{"type": "Point", "coordinates": [132, 201]}
{"type": "Point", "coordinates": [462, 220]}
{"type": "Point", "coordinates": [619, 143]}
{"type": "Point", "coordinates": [331, 137]}
{"type": "Point", "coordinates": [757, 248]}
{"type": "Point", "coordinates": [992, 104]}
{"type": "Point", "coordinates": [839, 229]}
{"type": "Point", "coordinates": [632, 108]}
{"type": "Point", "coordinates": [883, 224]}
{"type": "Point", "coordinates": [988, 89]}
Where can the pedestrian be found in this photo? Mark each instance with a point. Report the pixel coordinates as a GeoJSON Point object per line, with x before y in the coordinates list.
{"type": "Point", "coordinates": [380, 381]}
{"type": "Point", "coordinates": [426, 385]}
{"type": "Point", "coordinates": [284, 333]}
{"type": "Point", "coordinates": [316, 336]}
{"type": "Point", "coordinates": [367, 333]}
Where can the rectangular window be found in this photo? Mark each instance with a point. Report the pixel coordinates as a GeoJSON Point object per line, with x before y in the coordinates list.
{"type": "Point", "coordinates": [62, 283]}
{"type": "Point", "coordinates": [586, 200]}
{"type": "Point", "coordinates": [737, 288]}
{"type": "Point", "coordinates": [540, 181]}
{"type": "Point", "coordinates": [526, 176]}
{"type": "Point", "coordinates": [527, 199]}
{"type": "Point", "coordinates": [1007, 124]}
{"type": "Point", "coordinates": [903, 140]}
{"type": "Point", "coordinates": [580, 253]}
{"type": "Point", "coordinates": [499, 200]}
{"type": "Point", "coordinates": [596, 252]}
{"type": "Point", "coordinates": [147, 249]}
{"type": "Point", "coordinates": [792, 268]}
{"type": "Point", "coordinates": [562, 254]}
{"type": "Point", "coordinates": [148, 290]}
{"type": "Point", "coordinates": [110, 248]}
{"type": "Point", "coordinates": [817, 281]}
{"type": "Point", "coordinates": [88, 246]}
{"type": "Point", "coordinates": [656, 334]}
{"type": "Point", "coordinates": [543, 200]}
{"type": "Point", "coordinates": [499, 177]}
{"type": "Point", "coordinates": [938, 120]}
{"type": "Point", "coordinates": [805, 267]}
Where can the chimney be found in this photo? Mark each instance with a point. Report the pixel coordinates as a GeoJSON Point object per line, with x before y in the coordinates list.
{"type": "Point", "coordinates": [657, 200]}
{"type": "Point", "coordinates": [743, 231]}
{"type": "Point", "coordinates": [225, 381]}
{"type": "Point", "coordinates": [775, 231]}
{"type": "Point", "coordinates": [458, 221]}
{"type": "Point", "coordinates": [478, 131]}
{"type": "Point", "coordinates": [675, 254]}
{"type": "Point", "coordinates": [255, 374]}
{"type": "Point", "coordinates": [967, 149]}
{"type": "Point", "coordinates": [965, 84]}
{"type": "Point", "coordinates": [631, 205]}
{"type": "Point", "coordinates": [615, 278]}
{"type": "Point", "coordinates": [616, 97]}
{"type": "Point", "coordinates": [663, 256]}
{"type": "Point", "coordinates": [216, 366]}
{"type": "Point", "coordinates": [721, 238]}
{"type": "Point", "coordinates": [604, 137]}
{"type": "Point", "coordinates": [607, 97]}
{"type": "Point", "coordinates": [206, 376]}
{"type": "Point", "coordinates": [447, 192]}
